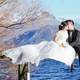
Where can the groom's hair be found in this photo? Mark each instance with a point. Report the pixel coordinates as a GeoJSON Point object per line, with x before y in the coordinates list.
{"type": "Point", "coordinates": [67, 21]}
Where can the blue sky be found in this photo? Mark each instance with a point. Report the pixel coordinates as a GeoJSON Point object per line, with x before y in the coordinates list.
{"type": "Point", "coordinates": [62, 8]}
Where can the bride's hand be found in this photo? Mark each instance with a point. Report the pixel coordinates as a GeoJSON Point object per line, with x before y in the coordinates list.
{"type": "Point", "coordinates": [62, 45]}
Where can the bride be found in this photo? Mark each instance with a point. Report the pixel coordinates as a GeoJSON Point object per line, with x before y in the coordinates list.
{"type": "Point", "coordinates": [57, 49]}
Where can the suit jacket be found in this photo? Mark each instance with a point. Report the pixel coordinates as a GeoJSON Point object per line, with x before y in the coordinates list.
{"type": "Point", "coordinates": [74, 39]}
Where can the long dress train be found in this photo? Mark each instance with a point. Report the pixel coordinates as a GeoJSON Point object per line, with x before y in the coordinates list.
{"type": "Point", "coordinates": [45, 49]}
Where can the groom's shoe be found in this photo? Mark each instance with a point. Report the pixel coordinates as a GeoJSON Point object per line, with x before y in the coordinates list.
{"type": "Point", "coordinates": [72, 68]}
{"type": "Point", "coordinates": [79, 63]}
{"type": "Point", "coordinates": [79, 60]}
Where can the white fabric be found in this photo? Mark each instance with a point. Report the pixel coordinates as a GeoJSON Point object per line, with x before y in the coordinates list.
{"type": "Point", "coordinates": [54, 51]}
{"type": "Point", "coordinates": [62, 36]}
{"type": "Point", "coordinates": [35, 53]}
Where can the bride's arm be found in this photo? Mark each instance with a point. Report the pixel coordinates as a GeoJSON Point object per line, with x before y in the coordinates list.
{"type": "Point", "coordinates": [56, 39]}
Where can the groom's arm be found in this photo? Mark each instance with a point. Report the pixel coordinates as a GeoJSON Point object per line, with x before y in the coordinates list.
{"type": "Point", "coordinates": [77, 40]}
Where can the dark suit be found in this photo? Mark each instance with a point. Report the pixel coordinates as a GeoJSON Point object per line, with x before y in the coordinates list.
{"type": "Point", "coordinates": [74, 40]}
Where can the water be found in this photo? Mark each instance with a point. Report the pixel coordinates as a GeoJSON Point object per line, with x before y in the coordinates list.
{"type": "Point", "coordinates": [47, 70]}
{"type": "Point", "coordinates": [54, 70]}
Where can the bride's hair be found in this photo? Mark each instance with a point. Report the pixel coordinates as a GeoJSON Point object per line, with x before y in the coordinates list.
{"type": "Point", "coordinates": [62, 25]}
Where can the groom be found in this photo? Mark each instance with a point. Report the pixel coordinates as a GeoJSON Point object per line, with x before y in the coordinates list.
{"type": "Point", "coordinates": [74, 37]}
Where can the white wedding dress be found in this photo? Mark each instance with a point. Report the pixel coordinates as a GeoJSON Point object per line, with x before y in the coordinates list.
{"type": "Point", "coordinates": [52, 50]}
{"type": "Point", "coordinates": [46, 49]}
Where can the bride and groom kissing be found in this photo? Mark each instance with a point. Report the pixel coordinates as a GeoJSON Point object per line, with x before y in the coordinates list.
{"type": "Point", "coordinates": [73, 36]}
{"type": "Point", "coordinates": [63, 47]}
